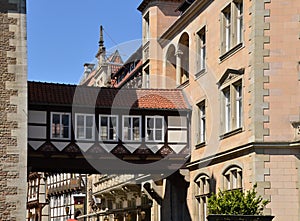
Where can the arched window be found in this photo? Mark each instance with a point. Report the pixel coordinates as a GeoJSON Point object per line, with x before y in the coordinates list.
{"type": "Point", "coordinates": [202, 192]}
{"type": "Point", "coordinates": [170, 66]}
{"type": "Point", "coordinates": [183, 58]}
{"type": "Point", "coordinates": [233, 177]}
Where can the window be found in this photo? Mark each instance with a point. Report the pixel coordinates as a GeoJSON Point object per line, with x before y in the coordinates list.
{"type": "Point", "coordinates": [233, 178]}
{"type": "Point", "coordinates": [231, 26]}
{"type": "Point", "coordinates": [146, 27]}
{"type": "Point", "coordinates": [131, 128]}
{"type": "Point", "coordinates": [60, 126]}
{"type": "Point", "coordinates": [146, 78]}
{"type": "Point", "coordinates": [227, 108]}
{"type": "Point", "coordinates": [108, 126]}
{"type": "Point", "coordinates": [238, 103]}
{"type": "Point", "coordinates": [155, 128]}
{"type": "Point", "coordinates": [202, 122]}
{"type": "Point", "coordinates": [201, 195]}
{"type": "Point", "coordinates": [85, 124]}
{"type": "Point", "coordinates": [202, 49]}
{"type": "Point", "coordinates": [239, 20]}
{"type": "Point", "coordinates": [227, 27]}
{"type": "Point", "coordinates": [232, 102]}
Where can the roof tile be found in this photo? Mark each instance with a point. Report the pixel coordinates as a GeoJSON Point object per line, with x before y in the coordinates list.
{"type": "Point", "coordinates": [41, 93]}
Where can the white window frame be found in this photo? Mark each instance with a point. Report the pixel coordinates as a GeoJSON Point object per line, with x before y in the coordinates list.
{"type": "Point", "coordinates": [202, 49]}
{"type": "Point", "coordinates": [227, 17]}
{"type": "Point", "coordinates": [154, 129]}
{"type": "Point", "coordinates": [239, 20]}
{"type": "Point", "coordinates": [232, 19]}
{"type": "Point", "coordinates": [131, 130]}
{"type": "Point", "coordinates": [227, 108]}
{"type": "Point", "coordinates": [238, 103]}
{"type": "Point", "coordinates": [232, 106]}
{"type": "Point", "coordinates": [61, 129]}
{"type": "Point", "coordinates": [202, 121]}
{"type": "Point", "coordinates": [93, 126]}
{"type": "Point", "coordinates": [116, 127]}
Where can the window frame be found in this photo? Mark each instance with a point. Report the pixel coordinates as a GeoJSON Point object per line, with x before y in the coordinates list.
{"type": "Point", "coordinates": [60, 119]}
{"type": "Point", "coordinates": [108, 127]}
{"type": "Point", "coordinates": [146, 19]}
{"type": "Point", "coordinates": [154, 129]}
{"type": "Point", "coordinates": [93, 126]}
{"type": "Point", "coordinates": [232, 107]}
{"type": "Point", "coordinates": [202, 122]}
{"type": "Point", "coordinates": [232, 182]}
{"type": "Point", "coordinates": [131, 133]}
{"type": "Point", "coordinates": [231, 27]}
{"type": "Point", "coordinates": [202, 52]}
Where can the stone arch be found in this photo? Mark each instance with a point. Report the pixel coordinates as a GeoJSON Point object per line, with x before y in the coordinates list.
{"type": "Point", "coordinates": [170, 66]}
{"type": "Point", "coordinates": [183, 57]}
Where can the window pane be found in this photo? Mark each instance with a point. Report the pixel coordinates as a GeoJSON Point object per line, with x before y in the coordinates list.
{"type": "Point", "coordinates": [104, 121]}
{"type": "Point", "coordinates": [103, 132]}
{"type": "Point", "coordinates": [126, 122]}
{"type": "Point", "coordinates": [80, 120]}
{"type": "Point", "coordinates": [80, 132]}
{"type": "Point", "coordinates": [136, 133]}
{"type": "Point", "coordinates": [150, 123]}
{"type": "Point", "coordinates": [89, 121]}
{"type": "Point", "coordinates": [158, 135]}
{"type": "Point", "coordinates": [66, 132]}
{"type": "Point", "coordinates": [65, 120]}
{"type": "Point", "coordinates": [150, 134]}
{"type": "Point", "coordinates": [89, 133]}
{"type": "Point", "coordinates": [158, 123]}
{"type": "Point", "coordinates": [111, 134]}
{"type": "Point", "coordinates": [136, 122]}
{"type": "Point", "coordinates": [56, 118]}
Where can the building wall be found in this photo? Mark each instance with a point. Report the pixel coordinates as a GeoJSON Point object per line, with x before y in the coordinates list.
{"type": "Point", "coordinates": [266, 147]}
{"type": "Point", "coordinates": [283, 70]}
{"type": "Point", "coordinates": [13, 109]}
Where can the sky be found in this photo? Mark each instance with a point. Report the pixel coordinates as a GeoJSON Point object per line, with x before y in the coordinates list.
{"type": "Point", "coordinates": [62, 35]}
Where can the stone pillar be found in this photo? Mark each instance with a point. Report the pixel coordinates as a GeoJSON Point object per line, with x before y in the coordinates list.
{"type": "Point", "coordinates": [13, 110]}
{"type": "Point", "coordinates": [178, 55]}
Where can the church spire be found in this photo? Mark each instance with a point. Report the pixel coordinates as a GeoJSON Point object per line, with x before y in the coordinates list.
{"type": "Point", "coordinates": [101, 51]}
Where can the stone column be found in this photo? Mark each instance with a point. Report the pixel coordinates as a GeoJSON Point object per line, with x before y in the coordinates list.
{"type": "Point", "coordinates": [13, 109]}
{"type": "Point", "coordinates": [178, 55]}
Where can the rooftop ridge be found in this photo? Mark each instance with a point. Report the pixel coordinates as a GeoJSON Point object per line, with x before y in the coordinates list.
{"type": "Point", "coordinates": [105, 88]}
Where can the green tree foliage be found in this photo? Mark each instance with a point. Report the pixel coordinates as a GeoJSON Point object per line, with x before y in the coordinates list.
{"type": "Point", "coordinates": [236, 202]}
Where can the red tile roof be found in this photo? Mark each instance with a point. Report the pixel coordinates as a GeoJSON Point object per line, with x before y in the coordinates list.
{"type": "Point", "coordinates": [40, 93]}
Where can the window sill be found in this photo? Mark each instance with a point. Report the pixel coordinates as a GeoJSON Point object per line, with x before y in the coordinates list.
{"type": "Point", "coordinates": [60, 139]}
{"type": "Point", "coordinates": [200, 73]}
{"type": "Point", "coordinates": [84, 140]}
{"type": "Point", "coordinates": [184, 84]}
{"type": "Point", "coordinates": [200, 145]}
{"type": "Point", "coordinates": [231, 133]}
{"type": "Point", "coordinates": [231, 52]}
{"type": "Point", "coordinates": [202, 195]}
